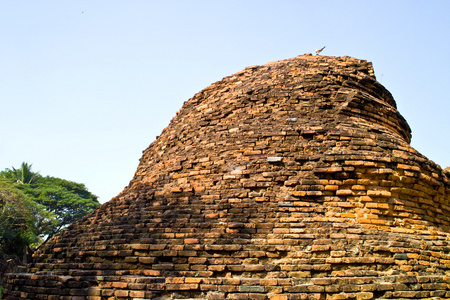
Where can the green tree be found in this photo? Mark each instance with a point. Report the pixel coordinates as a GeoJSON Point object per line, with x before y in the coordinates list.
{"type": "Point", "coordinates": [17, 220]}
{"type": "Point", "coordinates": [21, 175]}
{"type": "Point", "coordinates": [52, 203]}
{"type": "Point", "coordinates": [68, 201]}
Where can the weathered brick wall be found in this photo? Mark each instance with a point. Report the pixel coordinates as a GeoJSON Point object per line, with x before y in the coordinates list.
{"type": "Point", "coordinates": [291, 180]}
{"type": "Point", "coordinates": [146, 287]}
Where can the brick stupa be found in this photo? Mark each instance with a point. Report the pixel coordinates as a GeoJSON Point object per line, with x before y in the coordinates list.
{"type": "Point", "coordinates": [290, 180]}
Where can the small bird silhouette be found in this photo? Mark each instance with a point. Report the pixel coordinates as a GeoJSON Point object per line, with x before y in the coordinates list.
{"type": "Point", "coordinates": [320, 50]}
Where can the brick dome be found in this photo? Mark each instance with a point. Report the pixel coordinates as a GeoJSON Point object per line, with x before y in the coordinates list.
{"type": "Point", "coordinates": [290, 180]}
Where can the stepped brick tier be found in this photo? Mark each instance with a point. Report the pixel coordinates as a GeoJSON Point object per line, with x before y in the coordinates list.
{"type": "Point", "coordinates": [290, 180]}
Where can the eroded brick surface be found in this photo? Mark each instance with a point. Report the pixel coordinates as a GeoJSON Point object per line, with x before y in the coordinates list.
{"type": "Point", "coordinates": [291, 180]}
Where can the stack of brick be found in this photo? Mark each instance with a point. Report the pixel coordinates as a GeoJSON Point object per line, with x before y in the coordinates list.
{"type": "Point", "coordinates": [290, 180]}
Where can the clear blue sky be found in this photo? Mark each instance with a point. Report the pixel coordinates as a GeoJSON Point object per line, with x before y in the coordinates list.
{"type": "Point", "coordinates": [87, 85]}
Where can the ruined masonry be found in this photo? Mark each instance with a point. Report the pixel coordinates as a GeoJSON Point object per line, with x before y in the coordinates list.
{"type": "Point", "coordinates": [290, 180]}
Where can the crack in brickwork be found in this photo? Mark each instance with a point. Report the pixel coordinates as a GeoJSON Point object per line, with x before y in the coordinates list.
{"type": "Point", "coordinates": [290, 180]}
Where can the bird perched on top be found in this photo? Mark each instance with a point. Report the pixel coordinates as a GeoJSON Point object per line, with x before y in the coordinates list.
{"type": "Point", "coordinates": [320, 50]}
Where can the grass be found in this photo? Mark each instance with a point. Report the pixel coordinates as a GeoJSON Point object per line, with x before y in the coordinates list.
{"type": "Point", "coordinates": [1, 288]}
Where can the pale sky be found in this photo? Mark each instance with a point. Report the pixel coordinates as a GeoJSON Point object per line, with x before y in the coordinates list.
{"type": "Point", "coordinates": [87, 85]}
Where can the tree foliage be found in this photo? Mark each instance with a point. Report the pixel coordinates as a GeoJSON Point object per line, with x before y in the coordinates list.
{"type": "Point", "coordinates": [68, 201]}
{"type": "Point", "coordinates": [34, 208]}
{"type": "Point", "coordinates": [21, 175]}
{"type": "Point", "coordinates": [17, 220]}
